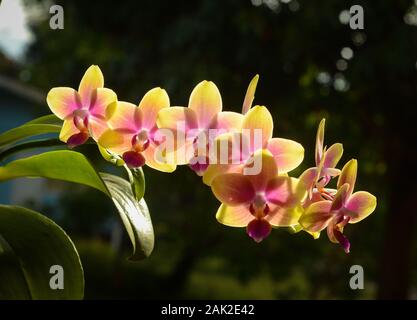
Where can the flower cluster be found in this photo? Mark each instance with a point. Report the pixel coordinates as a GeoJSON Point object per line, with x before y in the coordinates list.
{"type": "Point", "coordinates": [235, 153]}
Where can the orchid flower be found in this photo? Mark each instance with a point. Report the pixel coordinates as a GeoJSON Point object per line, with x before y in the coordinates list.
{"type": "Point", "coordinates": [260, 201]}
{"type": "Point", "coordinates": [318, 177]}
{"type": "Point", "coordinates": [132, 129]}
{"type": "Point", "coordinates": [204, 112]}
{"type": "Point", "coordinates": [288, 154]}
{"type": "Point", "coordinates": [342, 208]}
{"type": "Point", "coordinates": [83, 111]}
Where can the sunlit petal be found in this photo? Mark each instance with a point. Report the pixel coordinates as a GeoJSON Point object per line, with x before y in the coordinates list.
{"type": "Point", "coordinates": [177, 118]}
{"type": "Point", "coordinates": [63, 101]}
{"type": "Point", "coordinates": [206, 102]}
{"type": "Point", "coordinates": [228, 120]}
{"type": "Point", "coordinates": [348, 175]}
{"type": "Point", "coordinates": [101, 99]}
{"type": "Point", "coordinates": [115, 141]}
{"type": "Point", "coordinates": [233, 189]}
{"type": "Point", "coordinates": [68, 130]}
{"type": "Point", "coordinates": [260, 168]}
{"type": "Point", "coordinates": [360, 205]}
{"type": "Point", "coordinates": [214, 170]}
{"type": "Point", "coordinates": [317, 216]}
{"type": "Point", "coordinates": [124, 116]}
{"type": "Point", "coordinates": [238, 216]}
{"type": "Point", "coordinates": [156, 161]}
{"type": "Point", "coordinates": [320, 141]}
{"type": "Point", "coordinates": [258, 119]}
{"type": "Point", "coordinates": [333, 155]}
{"type": "Point", "coordinates": [285, 192]}
{"type": "Point", "coordinates": [284, 217]}
{"type": "Point", "coordinates": [288, 154]}
{"type": "Point", "coordinates": [250, 94]}
{"type": "Point", "coordinates": [152, 102]}
{"type": "Point", "coordinates": [92, 80]}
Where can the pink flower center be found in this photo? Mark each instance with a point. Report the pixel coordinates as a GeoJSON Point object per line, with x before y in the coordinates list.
{"type": "Point", "coordinates": [140, 141]}
{"type": "Point", "coordinates": [80, 118]}
{"type": "Point", "coordinates": [259, 207]}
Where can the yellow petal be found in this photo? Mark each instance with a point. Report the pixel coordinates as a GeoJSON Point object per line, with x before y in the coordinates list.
{"type": "Point", "coordinates": [153, 101]}
{"type": "Point", "coordinates": [288, 154]}
{"type": "Point", "coordinates": [348, 175]}
{"type": "Point", "coordinates": [234, 216]}
{"type": "Point", "coordinates": [153, 160]}
{"type": "Point", "coordinates": [259, 125]}
{"type": "Point", "coordinates": [63, 101]}
{"type": "Point", "coordinates": [92, 80]}
{"type": "Point", "coordinates": [124, 116]}
{"type": "Point", "coordinates": [115, 141]}
{"type": "Point", "coordinates": [206, 102]}
{"type": "Point", "coordinates": [68, 129]}
{"type": "Point", "coordinates": [250, 94]}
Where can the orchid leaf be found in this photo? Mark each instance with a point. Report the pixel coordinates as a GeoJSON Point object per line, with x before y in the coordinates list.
{"type": "Point", "coordinates": [30, 245]}
{"type": "Point", "coordinates": [42, 125]}
{"type": "Point", "coordinates": [74, 167]}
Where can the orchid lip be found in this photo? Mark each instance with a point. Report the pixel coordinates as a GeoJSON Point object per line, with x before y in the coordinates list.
{"type": "Point", "coordinates": [258, 229]}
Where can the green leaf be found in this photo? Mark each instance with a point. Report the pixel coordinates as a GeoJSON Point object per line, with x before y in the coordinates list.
{"type": "Point", "coordinates": [137, 181]}
{"type": "Point", "coordinates": [73, 166]}
{"type": "Point", "coordinates": [61, 165]}
{"type": "Point", "coordinates": [30, 244]}
{"type": "Point", "coordinates": [134, 214]}
{"type": "Point", "coordinates": [42, 125]}
{"type": "Point", "coordinates": [48, 119]}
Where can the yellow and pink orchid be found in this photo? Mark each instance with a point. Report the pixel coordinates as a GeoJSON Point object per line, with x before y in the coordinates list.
{"type": "Point", "coordinates": [257, 200]}
{"type": "Point", "coordinates": [83, 111]}
{"type": "Point", "coordinates": [288, 154]}
{"type": "Point", "coordinates": [343, 207]}
{"type": "Point", "coordinates": [132, 130]}
{"type": "Point", "coordinates": [192, 123]}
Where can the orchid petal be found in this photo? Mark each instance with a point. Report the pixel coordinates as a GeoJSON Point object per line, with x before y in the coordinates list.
{"type": "Point", "coordinates": [214, 170]}
{"type": "Point", "coordinates": [238, 216]}
{"type": "Point", "coordinates": [233, 189]}
{"type": "Point", "coordinates": [333, 155]}
{"type": "Point", "coordinates": [152, 160]}
{"type": "Point", "coordinates": [152, 102]}
{"type": "Point", "coordinates": [285, 192]}
{"type": "Point", "coordinates": [68, 129]}
{"type": "Point", "coordinates": [63, 101]}
{"type": "Point", "coordinates": [228, 120]}
{"type": "Point", "coordinates": [284, 217]}
{"type": "Point", "coordinates": [92, 80]}
{"type": "Point", "coordinates": [288, 154]}
{"type": "Point", "coordinates": [308, 177]}
{"type": "Point", "coordinates": [260, 168]}
{"type": "Point", "coordinates": [97, 126]}
{"type": "Point", "coordinates": [177, 118]}
{"type": "Point", "coordinates": [348, 175]}
{"type": "Point", "coordinates": [206, 102]}
{"type": "Point", "coordinates": [320, 141]}
{"type": "Point", "coordinates": [258, 118]}
{"type": "Point", "coordinates": [250, 94]}
{"type": "Point", "coordinates": [124, 116]}
{"type": "Point", "coordinates": [317, 216]}
{"type": "Point", "coordinates": [116, 141]}
{"type": "Point", "coordinates": [101, 99]}
{"type": "Point", "coordinates": [258, 229]}
{"type": "Point", "coordinates": [340, 197]}
{"type": "Point", "coordinates": [360, 205]}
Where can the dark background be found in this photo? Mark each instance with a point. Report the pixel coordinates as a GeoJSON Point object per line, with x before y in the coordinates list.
{"type": "Point", "coordinates": [295, 47]}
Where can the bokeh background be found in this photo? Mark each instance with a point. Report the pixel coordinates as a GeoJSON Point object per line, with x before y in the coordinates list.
{"type": "Point", "coordinates": [311, 65]}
